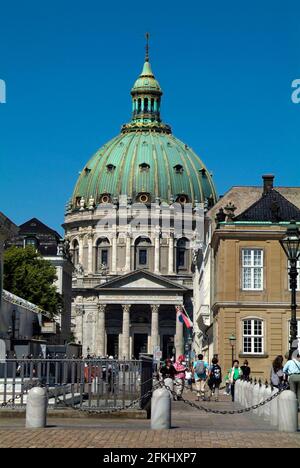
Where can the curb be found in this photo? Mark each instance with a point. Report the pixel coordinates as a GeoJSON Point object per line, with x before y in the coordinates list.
{"type": "Point", "coordinates": [73, 414]}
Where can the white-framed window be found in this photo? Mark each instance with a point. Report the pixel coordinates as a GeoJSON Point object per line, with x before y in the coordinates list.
{"type": "Point", "coordinates": [253, 336]}
{"type": "Point", "coordinates": [252, 269]}
{"type": "Point", "coordinates": [298, 277]}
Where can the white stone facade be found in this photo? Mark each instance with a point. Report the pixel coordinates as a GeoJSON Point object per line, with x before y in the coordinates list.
{"type": "Point", "coordinates": [129, 276]}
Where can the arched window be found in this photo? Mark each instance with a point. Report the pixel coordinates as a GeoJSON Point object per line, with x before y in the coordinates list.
{"type": "Point", "coordinates": [182, 254]}
{"type": "Point", "coordinates": [102, 253]}
{"type": "Point", "coordinates": [253, 336]}
{"type": "Point", "coordinates": [75, 252]}
{"type": "Point", "coordinates": [142, 251]}
{"type": "Point", "coordinates": [139, 105]}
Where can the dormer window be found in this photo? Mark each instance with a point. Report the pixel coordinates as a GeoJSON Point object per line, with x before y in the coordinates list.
{"type": "Point", "coordinates": [178, 169]}
{"type": "Point", "coordinates": [144, 167]}
{"type": "Point", "coordinates": [110, 168]}
{"type": "Point", "coordinates": [87, 170]}
{"type": "Point", "coordinates": [203, 171]}
{"type": "Point", "coordinates": [105, 198]}
{"type": "Point", "coordinates": [143, 198]}
{"type": "Point", "coordinates": [182, 199]}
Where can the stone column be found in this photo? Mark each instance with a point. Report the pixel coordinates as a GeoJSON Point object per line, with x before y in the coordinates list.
{"type": "Point", "coordinates": [100, 333]}
{"type": "Point", "coordinates": [171, 255]}
{"type": "Point", "coordinates": [128, 253]}
{"type": "Point", "coordinates": [126, 332]}
{"type": "Point", "coordinates": [156, 253]}
{"type": "Point", "coordinates": [154, 327]}
{"type": "Point", "coordinates": [178, 336]}
{"type": "Point", "coordinates": [90, 254]}
{"type": "Point", "coordinates": [114, 254]}
{"type": "Point", "coordinates": [80, 259]}
{"type": "Point", "coordinates": [79, 320]}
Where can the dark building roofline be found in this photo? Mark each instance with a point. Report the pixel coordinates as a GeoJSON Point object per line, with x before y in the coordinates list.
{"type": "Point", "coordinates": [40, 228]}
{"type": "Point", "coordinates": [273, 207]}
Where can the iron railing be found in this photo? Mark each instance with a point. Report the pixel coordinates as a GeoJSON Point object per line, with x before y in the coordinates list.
{"type": "Point", "coordinates": [77, 383]}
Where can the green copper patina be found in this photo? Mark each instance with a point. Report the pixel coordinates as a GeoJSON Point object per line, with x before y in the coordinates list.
{"type": "Point", "coordinates": [145, 162]}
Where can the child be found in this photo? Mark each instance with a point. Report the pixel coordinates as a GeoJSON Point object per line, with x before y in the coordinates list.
{"type": "Point", "coordinates": [227, 382]}
{"type": "Point", "coordinates": [189, 377]}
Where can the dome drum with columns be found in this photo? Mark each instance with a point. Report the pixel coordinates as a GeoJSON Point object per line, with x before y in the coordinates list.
{"type": "Point", "coordinates": [130, 274]}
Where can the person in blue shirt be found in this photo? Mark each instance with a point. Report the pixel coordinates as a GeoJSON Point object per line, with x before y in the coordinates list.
{"type": "Point", "coordinates": [200, 371]}
{"type": "Point", "coordinates": [292, 370]}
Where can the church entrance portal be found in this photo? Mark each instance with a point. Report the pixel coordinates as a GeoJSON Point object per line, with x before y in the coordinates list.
{"type": "Point", "coordinates": [140, 344]}
{"type": "Point", "coordinates": [113, 345]}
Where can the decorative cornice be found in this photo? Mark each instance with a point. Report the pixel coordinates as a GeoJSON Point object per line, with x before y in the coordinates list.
{"type": "Point", "coordinates": [146, 127]}
{"type": "Point", "coordinates": [249, 234]}
{"type": "Point", "coordinates": [250, 305]}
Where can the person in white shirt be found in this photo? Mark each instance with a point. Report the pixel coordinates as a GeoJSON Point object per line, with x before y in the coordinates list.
{"type": "Point", "coordinates": [292, 370]}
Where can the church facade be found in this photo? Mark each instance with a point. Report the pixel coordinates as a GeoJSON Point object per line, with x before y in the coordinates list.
{"type": "Point", "coordinates": [134, 227]}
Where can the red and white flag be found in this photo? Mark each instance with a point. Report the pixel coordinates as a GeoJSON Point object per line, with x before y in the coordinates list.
{"type": "Point", "coordinates": [183, 317]}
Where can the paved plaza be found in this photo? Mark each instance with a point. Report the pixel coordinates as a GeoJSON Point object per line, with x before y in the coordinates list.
{"type": "Point", "coordinates": [190, 429]}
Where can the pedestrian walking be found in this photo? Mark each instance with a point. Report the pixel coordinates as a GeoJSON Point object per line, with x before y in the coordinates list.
{"type": "Point", "coordinates": [189, 377]}
{"type": "Point", "coordinates": [277, 375]}
{"type": "Point", "coordinates": [246, 371]}
{"type": "Point", "coordinates": [180, 369]}
{"type": "Point", "coordinates": [167, 370]}
{"type": "Point", "coordinates": [200, 369]}
{"type": "Point", "coordinates": [227, 383]}
{"type": "Point", "coordinates": [292, 371]}
{"type": "Point", "coordinates": [214, 379]}
{"type": "Point", "coordinates": [235, 374]}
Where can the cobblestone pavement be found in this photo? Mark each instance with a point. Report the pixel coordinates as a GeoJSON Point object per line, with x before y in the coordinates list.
{"type": "Point", "coordinates": [190, 429]}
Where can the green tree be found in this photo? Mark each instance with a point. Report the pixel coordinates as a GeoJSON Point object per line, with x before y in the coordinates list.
{"type": "Point", "coordinates": [28, 275]}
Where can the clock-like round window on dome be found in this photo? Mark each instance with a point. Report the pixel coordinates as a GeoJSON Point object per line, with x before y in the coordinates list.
{"type": "Point", "coordinates": [182, 199]}
{"type": "Point", "coordinates": [105, 199]}
{"type": "Point", "coordinates": [143, 198]}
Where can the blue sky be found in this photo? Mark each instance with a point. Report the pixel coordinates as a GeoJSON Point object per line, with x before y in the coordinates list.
{"type": "Point", "coordinates": [225, 67]}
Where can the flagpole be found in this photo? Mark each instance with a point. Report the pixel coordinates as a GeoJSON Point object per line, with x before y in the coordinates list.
{"type": "Point", "coordinates": [188, 315]}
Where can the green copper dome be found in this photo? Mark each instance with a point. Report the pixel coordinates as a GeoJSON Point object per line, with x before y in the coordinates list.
{"type": "Point", "coordinates": [145, 162]}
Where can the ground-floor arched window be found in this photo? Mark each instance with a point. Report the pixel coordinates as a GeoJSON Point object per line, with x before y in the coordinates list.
{"type": "Point", "coordinates": [75, 252]}
{"type": "Point", "coordinates": [142, 252]}
{"type": "Point", "coordinates": [182, 254]}
{"type": "Point", "coordinates": [102, 253]}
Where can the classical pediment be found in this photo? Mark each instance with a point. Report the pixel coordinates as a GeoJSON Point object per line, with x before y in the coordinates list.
{"type": "Point", "coordinates": [141, 280]}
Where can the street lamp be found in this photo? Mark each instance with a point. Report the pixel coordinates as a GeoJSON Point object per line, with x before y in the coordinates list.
{"type": "Point", "coordinates": [291, 246]}
{"type": "Point", "coordinates": [232, 340]}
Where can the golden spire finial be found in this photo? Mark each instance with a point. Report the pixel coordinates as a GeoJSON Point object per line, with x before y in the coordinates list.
{"type": "Point", "coordinates": [147, 47]}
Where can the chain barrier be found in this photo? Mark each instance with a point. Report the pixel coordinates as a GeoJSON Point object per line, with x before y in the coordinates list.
{"type": "Point", "coordinates": [223, 412]}
{"type": "Point", "coordinates": [19, 396]}
{"type": "Point", "coordinates": [160, 384]}
{"type": "Point", "coordinates": [90, 410]}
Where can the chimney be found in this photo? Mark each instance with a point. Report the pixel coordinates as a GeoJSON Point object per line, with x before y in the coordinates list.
{"type": "Point", "coordinates": [268, 183]}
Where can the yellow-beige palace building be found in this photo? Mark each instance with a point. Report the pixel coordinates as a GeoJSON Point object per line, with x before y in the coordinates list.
{"type": "Point", "coordinates": [249, 294]}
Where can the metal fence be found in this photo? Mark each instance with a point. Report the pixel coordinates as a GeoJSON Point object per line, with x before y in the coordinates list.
{"type": "Point", "coordinates": [77, 383]}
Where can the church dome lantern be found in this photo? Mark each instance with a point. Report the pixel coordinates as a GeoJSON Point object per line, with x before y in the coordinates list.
{"type": "Point", "coordinates": [145, 160]}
